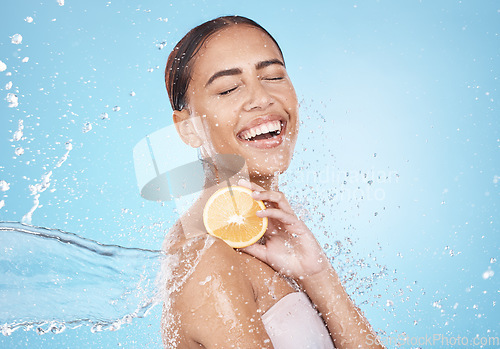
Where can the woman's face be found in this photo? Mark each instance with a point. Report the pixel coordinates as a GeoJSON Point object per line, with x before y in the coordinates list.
{"type": "Point", "coordinates": [242, 93]}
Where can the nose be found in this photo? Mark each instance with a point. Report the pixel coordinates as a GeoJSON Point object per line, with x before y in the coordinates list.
{"type": "Point", "coordinates": [258, 97]}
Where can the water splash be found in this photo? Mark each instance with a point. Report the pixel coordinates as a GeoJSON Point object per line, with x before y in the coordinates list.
{"type": "Point", "coordinates": [69, 147]}
{"type": "Point", "coordinates": [161, 45]}
{"type": "Point", "coordinates": [4, 186]}
{"type": "Point", "coordinates": [12, 99]}
{"type": "Point", "coordinates": [39, 188]}
{"type": "Point", "coordinates": [54, 280]}
{"type": "Point", "coordinates": [16, 39]}
{"type": "Point", "coordinates": [19, 151]}
{"type": "Point", "coordinates": [19, 132]}
{"type": "Point", "coordinates": [488, 274]}
{"type": "Point", "coordinates": [86, 127]}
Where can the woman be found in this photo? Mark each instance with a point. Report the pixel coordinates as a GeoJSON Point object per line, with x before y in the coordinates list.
{"type": "Point", "coordinates": [227, 82]}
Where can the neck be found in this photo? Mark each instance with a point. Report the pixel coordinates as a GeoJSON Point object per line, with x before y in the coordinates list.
{"type": "Point", "coordinates": [268, 183]}
{"type": "Point", "coordinates": [215, 175]}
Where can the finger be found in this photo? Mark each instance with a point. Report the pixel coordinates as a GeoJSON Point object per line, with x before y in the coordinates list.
{"type": "Point", "coordinates": [250, 185]}
{"type": "Point", "coordinates": [278, 214]}
{"type": "Point", "coordinates": [257, 250]}
{"type": "Point", "coordinates": [275, 197]}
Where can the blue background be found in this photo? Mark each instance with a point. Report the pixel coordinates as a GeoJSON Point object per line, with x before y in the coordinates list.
{"type": "Point", "coordinates": [404, 91]}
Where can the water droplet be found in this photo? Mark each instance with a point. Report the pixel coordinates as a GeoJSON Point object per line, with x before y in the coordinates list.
{"type": "Point", "coordinates": [488, 274]}
{"type": "Point", "coordinates": [207, 279]}
{"type": "Point", "coordinates": [4, 186]}
{"type": "Point", "coordinates": [19, 132]}
{"type": "Point", "coordinates": [8, 85]}
{"type": "Point", "coordinates": [436, 305]}
{"type": "Point", "coordinates": [28, 19]}
{"type": "Point", "coordinates": [25, 59]}
{"type": "Point", "coordinates": [132, 93]}
{"type": "Point", "coordinates": [16, 39]}
{"type": "Point", "coordinates": [87, 127]}
{"type": "Point", "coordinates": [375, 214]}
{"type": "Point", "coordinates": [150, 70]}
{"type": "Point", "coordinates": [12, 100]}
{"type": "Point", "coordinates": [68, 146]}
{"type": "Point", "coordinates": [19, 151]}
{"type": "Point", "coordinates": [3, 66]}
{"type": "Point", "coordinates": [116, 108]}
{"type": "Point", "coordinates": [493, 260]}
{"type": "Point", "coordinates": [104, 116]}
{"type": "Point", "coordinates": [2, 203]}
{"type": "Point", "coordinates": [161, 45]}
{"type": "Point", "coordinates": [374, 155]}
{"type": "Point", "coordinates": [389, 303]}
{"type": "Point", "coordinates": [60, 2]}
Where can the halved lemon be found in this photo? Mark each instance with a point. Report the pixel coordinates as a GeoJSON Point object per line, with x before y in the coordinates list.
{"type": "Point", "coordinates": [230, 214]}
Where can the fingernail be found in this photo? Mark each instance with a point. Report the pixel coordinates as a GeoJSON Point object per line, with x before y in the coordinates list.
{"type": "Point", "coordinates": [261, 212]}
{"type": "Point", "coordinates": [242, 181]}
{"type": "Point", "coordinates": [255, 193]}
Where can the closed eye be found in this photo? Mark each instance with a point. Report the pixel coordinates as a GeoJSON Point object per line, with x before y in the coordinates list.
{"type": "Point", "coordinates": [274, 79]}
{"type": "Point", "coordinates": [228, 91]}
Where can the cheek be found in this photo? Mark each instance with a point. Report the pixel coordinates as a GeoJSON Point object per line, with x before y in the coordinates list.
{"type": "Point", "coordinates": [221, 135]}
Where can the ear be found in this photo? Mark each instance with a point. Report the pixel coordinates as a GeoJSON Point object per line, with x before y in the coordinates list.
{"type": "Point", "coordinates": [186, 129]}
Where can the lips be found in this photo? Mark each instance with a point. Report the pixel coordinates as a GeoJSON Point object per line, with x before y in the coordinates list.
{"type": "Point", "coordinates": [264, 132]}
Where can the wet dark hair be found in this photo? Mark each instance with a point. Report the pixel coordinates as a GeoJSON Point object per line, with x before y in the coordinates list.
{"type": "Point", "coordinates": [181, 60]}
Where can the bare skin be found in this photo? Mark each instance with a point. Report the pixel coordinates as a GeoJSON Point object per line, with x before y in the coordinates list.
{"type": "Point", "coordinates": [226, 291]}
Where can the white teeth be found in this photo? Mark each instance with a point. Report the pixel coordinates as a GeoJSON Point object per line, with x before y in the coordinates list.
{"type": "Point", "coordinates": [271, 126]}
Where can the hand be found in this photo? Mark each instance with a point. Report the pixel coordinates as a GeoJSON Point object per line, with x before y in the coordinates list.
{"type": "Point", "coordinates": [289, 246]}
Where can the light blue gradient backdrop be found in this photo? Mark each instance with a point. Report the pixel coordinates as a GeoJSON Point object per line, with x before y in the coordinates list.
{"type": "Point", "coordinates": [414, 82]}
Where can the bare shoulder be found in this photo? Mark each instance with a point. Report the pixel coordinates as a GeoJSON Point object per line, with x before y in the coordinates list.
{"type": "Point", "coordinates": [218, 268]}
{"type": "Point", "coordinates": [215, 304]}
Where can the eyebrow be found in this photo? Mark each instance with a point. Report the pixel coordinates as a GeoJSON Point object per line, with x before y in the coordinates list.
{"type": "Point", "coordinates": [227, 72]}
{"type": "Point", "coordinates": [236, 71]}
{"type": "Point", "coordinates": [263, 64]}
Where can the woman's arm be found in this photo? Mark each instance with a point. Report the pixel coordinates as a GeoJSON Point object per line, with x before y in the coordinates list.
{"type": "Point", "coordinates": [291, 249]}
{"type": "Point", "coordinates": [348, 327]}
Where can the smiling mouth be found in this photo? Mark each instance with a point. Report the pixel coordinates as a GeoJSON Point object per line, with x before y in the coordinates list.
{"type": "Point", "coordinates": [267, 131]}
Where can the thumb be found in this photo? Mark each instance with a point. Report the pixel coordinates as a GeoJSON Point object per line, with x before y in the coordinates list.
{"type": "Point", "coordinates": [256, 250]}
